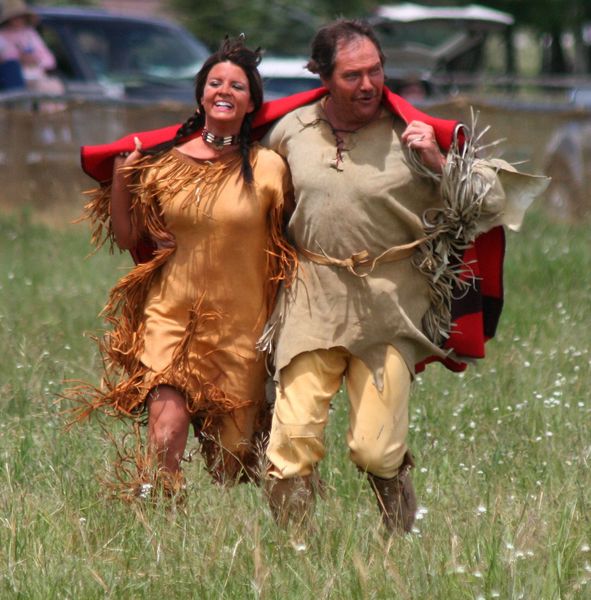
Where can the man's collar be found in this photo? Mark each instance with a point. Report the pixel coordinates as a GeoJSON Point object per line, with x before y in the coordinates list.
{"type": "Point", "coordinates": [311, 114]}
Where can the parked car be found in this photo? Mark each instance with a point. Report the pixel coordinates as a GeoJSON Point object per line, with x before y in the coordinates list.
{"type": "Point", "coordinates": [436, 50]}
{"type": "Point", "coordinates": [100, 53]}
{"type": "Point", "coordinates": [284, 76]}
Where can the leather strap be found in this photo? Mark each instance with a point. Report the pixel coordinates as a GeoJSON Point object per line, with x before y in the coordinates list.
{"type": "Point", "coordinates": [363, 259]}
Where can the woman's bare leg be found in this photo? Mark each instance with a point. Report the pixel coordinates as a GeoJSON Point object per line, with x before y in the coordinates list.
{"type": "Point", "coordinates": [168, 426]}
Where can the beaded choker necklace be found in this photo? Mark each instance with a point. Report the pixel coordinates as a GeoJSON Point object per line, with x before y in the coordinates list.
{"type": "Point", "coordinates": [219, 141]}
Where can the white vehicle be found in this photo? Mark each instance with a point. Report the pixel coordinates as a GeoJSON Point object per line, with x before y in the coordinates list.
{"type": "Point", "coordinates": [443, 48]}
{"type": "Point", "coordinates": [286, 76]}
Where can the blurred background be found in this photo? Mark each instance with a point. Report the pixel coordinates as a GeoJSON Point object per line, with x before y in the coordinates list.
{"type": "Point", "coordinates": [128, 65]}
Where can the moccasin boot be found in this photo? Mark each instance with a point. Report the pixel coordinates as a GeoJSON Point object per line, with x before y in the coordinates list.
{"type": "Point", "coordinates": [291, 501]}
{"type": "Point", "coordinates": [396, 498]}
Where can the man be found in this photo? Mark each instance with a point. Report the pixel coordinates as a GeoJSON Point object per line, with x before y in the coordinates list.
{"type": "Point", "coordinates": [357, 306]}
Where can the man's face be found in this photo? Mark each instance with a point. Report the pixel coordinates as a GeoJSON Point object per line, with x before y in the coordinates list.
{"type": "Point", "coordinates": [357, 81]}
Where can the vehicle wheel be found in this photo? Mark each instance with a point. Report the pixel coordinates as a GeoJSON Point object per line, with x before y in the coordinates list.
{"type": "Point", "coordinates": [562, 200]}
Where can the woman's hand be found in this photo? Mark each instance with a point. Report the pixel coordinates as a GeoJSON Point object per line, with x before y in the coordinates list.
{"type": "Point", "coordinates": [135, 155]}
{"type": "Point", "coordinates": [421, 137]}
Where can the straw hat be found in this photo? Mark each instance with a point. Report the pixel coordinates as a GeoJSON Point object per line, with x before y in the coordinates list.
{"type": "Point", "coordinates": [10, 9]}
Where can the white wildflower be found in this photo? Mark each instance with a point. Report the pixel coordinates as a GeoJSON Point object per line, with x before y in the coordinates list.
{"type": "Point", "coordinates": [145, 490]}
{"type": "Point", "coordinates": [421, 512]}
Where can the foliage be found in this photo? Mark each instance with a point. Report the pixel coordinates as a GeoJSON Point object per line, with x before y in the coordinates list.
{"type": "Point", "coordinates": [556, 18]}
{"type": "Point", "coordinates": [280, 26]}
{"type": "Point", "coordinates": [556, 13]}
{"type": "Point", "coordinates": [286, 26]}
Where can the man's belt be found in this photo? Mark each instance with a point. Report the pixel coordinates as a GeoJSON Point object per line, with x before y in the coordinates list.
{"type": "Point", "coordinates": [363, 259]}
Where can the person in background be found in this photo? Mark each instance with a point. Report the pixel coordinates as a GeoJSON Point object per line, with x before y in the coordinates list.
{"type": "Point", "coordinates": [20, 43]}
{"type": "Point", "coordinates": [413, 89]}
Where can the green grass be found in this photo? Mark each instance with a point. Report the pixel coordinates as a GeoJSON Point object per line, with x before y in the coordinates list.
{"type": "Point", "coordinates": [502, 457]}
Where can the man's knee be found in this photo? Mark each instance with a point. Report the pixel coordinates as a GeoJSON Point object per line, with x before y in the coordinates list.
{"type": "Point", "coordinates": [378, 459]}
{"type": "Point", "coordinates": [295, 449]}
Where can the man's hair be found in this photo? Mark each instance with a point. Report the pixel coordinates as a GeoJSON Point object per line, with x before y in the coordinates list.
{"type": "Point", "coordinates": [325, 44]}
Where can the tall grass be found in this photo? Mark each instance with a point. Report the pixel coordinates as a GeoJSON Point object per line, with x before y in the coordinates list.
{"type": "Point", "coordinates": [502, 457]}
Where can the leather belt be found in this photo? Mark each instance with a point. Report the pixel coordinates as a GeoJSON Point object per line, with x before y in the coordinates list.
{"type": "Point", "coordinates": [363, 259]}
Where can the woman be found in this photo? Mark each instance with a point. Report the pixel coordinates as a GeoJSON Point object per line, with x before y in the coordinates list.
{"type": "Point", "coordinates": [185, 323]}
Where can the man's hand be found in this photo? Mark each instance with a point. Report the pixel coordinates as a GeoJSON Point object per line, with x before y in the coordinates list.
{"type": "Point", "coordinates": [421, 137]}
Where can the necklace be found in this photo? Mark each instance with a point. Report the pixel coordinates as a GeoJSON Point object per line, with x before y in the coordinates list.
{"type": "Point", "coordinates": [219, 141]}
{"type": "Point", "coordinates": [337, 133]}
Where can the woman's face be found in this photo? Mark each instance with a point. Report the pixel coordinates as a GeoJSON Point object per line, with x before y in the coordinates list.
{"type": "Point", "coordinates": [17, 23]}
{"type": "Point", "coordinates": [226, 98]}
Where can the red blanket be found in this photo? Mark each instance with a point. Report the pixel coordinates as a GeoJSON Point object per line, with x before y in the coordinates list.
{"type": "Point", "coordinates": [475, 315]}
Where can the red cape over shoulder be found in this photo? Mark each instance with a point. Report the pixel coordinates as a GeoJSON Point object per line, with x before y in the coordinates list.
{"type": "Point", "coordinates": [475, 315]}
{"type": "Point", "coordinates": [97, 161]}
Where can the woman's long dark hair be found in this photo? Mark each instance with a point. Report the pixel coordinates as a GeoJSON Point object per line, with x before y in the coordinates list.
{"type": "Point", "coordinates": [234, 51]}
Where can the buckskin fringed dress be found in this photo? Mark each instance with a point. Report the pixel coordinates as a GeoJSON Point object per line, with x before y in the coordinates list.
{"type": "Point", "coordinates": [190, 317]}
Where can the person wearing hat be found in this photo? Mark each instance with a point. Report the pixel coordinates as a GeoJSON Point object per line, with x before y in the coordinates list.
{"type": "Point", "coordinates": [20, 42]}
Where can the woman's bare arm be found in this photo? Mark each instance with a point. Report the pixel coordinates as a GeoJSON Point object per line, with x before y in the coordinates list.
{"type": "Point", "coordinates": [124, 229]}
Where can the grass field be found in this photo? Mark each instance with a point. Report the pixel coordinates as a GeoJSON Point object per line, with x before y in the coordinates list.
{"type": "Point", "coordinates": [502, 454]}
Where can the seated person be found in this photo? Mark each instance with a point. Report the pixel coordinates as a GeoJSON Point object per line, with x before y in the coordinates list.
{"type": "Point", "coordinates": [19, 41]}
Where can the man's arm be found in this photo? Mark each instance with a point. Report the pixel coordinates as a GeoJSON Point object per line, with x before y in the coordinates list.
{"type": "Point", "coordinates": [275, 138]}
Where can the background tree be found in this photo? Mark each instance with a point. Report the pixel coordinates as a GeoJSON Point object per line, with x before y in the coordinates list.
{"type": "Point", "coordinates": [279, 26]}
{"type": "Point", "coordinates": [286, 26]}
{"type": "Point", "coordinates": [551, 19]}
